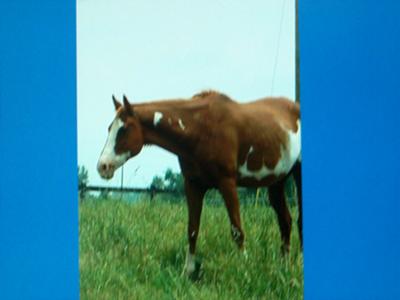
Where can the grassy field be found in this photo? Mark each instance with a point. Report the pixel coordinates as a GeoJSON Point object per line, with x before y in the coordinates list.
{"type": "Point", "coordinates": [137, 251]}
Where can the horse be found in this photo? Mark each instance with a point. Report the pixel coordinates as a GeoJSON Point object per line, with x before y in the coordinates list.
{"type": "Point", "coordinates": [220, 144]}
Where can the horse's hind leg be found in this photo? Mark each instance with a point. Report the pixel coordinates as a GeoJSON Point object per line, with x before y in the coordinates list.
{"type": "Point", "coordinates": [297, 178]}
{"type": "Point", "coordinates": [278, 202]}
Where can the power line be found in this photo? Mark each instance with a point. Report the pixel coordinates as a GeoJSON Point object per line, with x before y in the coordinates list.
{"type": "Point", "coordinates": [278, 46]}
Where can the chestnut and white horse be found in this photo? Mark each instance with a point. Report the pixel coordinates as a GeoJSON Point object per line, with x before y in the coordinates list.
{"type": "Point", "coordinates": [220, 144]}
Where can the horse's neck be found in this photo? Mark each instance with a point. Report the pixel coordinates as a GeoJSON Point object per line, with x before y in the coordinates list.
{"type": "Point", "coordinates": [170, 124]}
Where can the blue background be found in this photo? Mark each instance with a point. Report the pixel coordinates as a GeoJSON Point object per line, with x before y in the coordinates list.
{"type": "Point", "coordinates": [351, 148]}
{"type": "Point", "coordinates": [38, 197]}
{"type": "Point", "coordinates": [351, 143]}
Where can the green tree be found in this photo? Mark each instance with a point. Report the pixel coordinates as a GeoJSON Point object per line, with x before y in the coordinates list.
{"type": "Point", "coordinates": [157, 183]}
{"type": "Point", "coordinates": [83, 180]}
{"type": "Point", "coordinates": [174, 181]}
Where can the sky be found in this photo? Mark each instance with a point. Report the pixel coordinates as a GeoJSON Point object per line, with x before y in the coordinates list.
{"type": "Point", "coordinates": [172, 49]}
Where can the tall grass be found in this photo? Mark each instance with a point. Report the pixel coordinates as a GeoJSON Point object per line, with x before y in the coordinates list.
{"type": "Point", "coordinates": [137, 251]}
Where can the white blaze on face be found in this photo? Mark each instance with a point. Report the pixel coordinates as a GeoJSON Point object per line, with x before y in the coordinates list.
{"type": "Point", "coordinates": [289, 156]}
{"type": "Point", "coordinates": [157, 118]}
{"type": "Point", "coordinates": [109, 161]}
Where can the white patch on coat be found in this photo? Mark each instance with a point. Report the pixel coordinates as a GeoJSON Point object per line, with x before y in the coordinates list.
{"type": "Point", "coordinates": [289, 156]}
{"type": "Point", "coordinates": [157, 118]}
{"type": "Point", "coordinates": [181, 125]}
{"type": "Point", "coordinates": [193, 233]}
{"type": "Point", "coordinates": [108, 155]}
{"type": "Point", "coordinates": [190, 265]}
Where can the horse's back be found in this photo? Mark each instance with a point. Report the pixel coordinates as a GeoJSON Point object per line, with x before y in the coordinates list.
{"type": "Point", "coordinates": [282, 106]}
{"type": "Point", "coordinates": [263, 115]}
{"type": "Point", "coordinates": [270, 108]}
{"type": "Point", "coordinates": [281, 110]}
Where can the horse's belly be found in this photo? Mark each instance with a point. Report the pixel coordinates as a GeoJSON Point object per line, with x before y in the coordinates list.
{"type": "Point", "coordinates": [253, 182]}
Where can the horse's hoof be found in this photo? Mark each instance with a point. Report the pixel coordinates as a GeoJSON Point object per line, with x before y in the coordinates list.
{"type": "Point", "coordinates": [245, 254]}
{"type": "Point", "coordinates": [192, 273]}
{"type": "Point", "coordinates": [285, 250]}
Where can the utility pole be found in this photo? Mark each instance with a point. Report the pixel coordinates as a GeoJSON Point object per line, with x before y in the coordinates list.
{"type": "Point", "coordinates": [297, 61]}
{"type": "Point", "coordinates": [122, 181]}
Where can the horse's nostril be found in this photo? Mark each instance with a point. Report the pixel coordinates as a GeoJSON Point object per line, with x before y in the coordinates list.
{"type": "Point", "coordinates": [104, 167]}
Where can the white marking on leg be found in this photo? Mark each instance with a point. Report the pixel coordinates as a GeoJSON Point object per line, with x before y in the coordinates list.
{"type": "Point", "coordinates": [235, 232]}
{"type": "Point", "coordinates": [157, 118]}
{"type": "Point", "coordinates": [190, 266]}
{"type": "Point", "coordinates": [289, 155]}
{"type": "Point", "coordinates": [181, 125]}
{"type": "Point", "coordinates": [169, 121]}
{"type": "Point", "coordinates": [193, 233]}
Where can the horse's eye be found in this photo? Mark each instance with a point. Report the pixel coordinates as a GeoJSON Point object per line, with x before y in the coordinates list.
{"type": "Point", "coordinates": [121, 132]}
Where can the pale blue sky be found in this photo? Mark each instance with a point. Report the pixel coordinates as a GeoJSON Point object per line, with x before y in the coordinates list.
{"type": "Point", "coordinates": [165, 49]}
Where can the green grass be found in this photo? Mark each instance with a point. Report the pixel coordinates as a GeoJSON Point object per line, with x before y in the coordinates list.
{"type": "Point", "coordinates": [137, 251]}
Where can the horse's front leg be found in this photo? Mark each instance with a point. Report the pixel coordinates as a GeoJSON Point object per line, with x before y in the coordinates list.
{"type": "Point", "coordinates": [194, 196]}
{"type": "Point", "coordinates": [227, 188]}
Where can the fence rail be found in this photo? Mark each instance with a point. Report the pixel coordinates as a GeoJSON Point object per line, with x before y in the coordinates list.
{"type": "Point", "coordinates": [151, 191]}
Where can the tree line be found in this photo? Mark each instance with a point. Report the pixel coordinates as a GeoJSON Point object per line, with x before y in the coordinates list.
{"type": "Point", "coordinates": [174, 182]}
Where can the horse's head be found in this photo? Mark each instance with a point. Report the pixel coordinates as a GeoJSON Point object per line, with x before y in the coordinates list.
{"type": "Point", "coordinates": [125, 139]}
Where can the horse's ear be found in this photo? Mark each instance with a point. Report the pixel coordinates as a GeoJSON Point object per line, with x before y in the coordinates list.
{"type": "Point", "coordinates": [127, 106]}
{"type": "Point", "coordinates": [117, 104]}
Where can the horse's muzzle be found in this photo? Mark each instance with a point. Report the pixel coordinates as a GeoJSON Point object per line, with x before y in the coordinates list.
{"type": "Point", "coordinates": [106, 170]}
